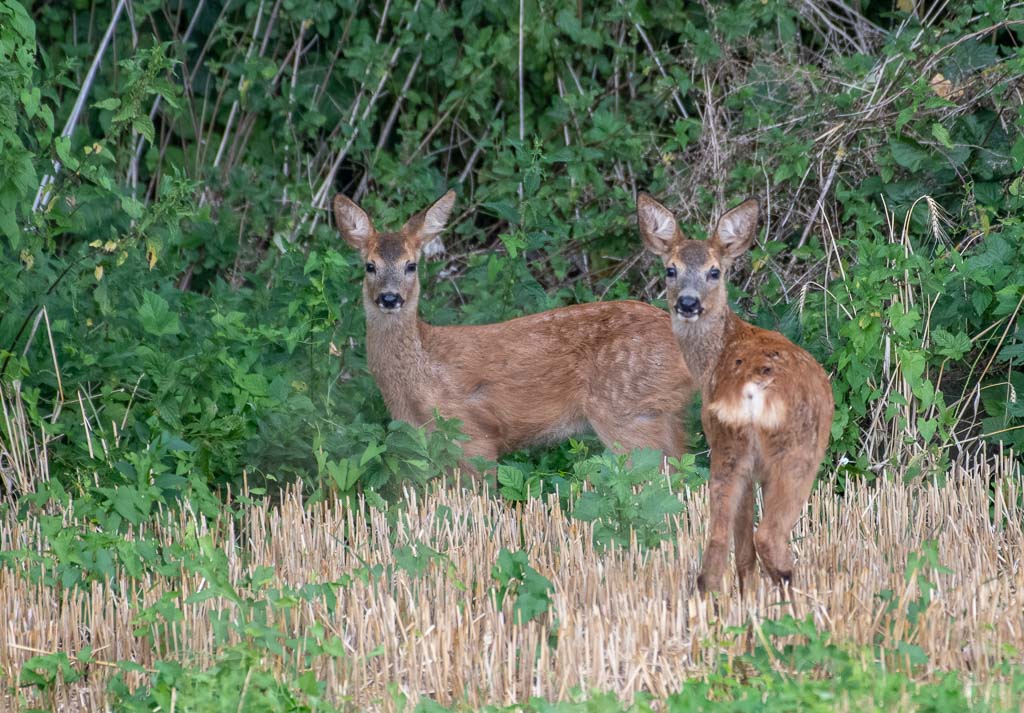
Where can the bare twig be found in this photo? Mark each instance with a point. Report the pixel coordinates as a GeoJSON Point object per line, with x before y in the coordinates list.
{"type": "Point", "coordinates": [522, 99]}
{"type": "Point", "coordinates": [657, 61]}
{"type": "Point", "coordinates": [43, 194]}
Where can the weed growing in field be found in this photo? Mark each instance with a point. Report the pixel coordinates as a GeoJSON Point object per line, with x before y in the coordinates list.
{"type": "Point", "coordinates": [515, 577]}
{"type": "Point", "coordinates": [631, 498]}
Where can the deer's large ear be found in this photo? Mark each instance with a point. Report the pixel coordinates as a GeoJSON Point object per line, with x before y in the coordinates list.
{"type": "Point", "coordinates": [736, 230]}
{"type": "Point", "coordinates": [428, 224]}
{"type": "Point", "coordinates": [353, 222]}
{"type": "Point", "coordinates": [657, 225]}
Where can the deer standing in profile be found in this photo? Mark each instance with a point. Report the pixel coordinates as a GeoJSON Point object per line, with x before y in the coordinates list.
{"type": "Point", "coordinates": [767, 404]}
{"type": "Point", "coordinates": [613, 367]}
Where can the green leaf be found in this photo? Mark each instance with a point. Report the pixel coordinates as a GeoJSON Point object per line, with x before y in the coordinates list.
{"type": "Point", "coordinates": [62, 145]}
{"type": "Point", "coordinates": [942, 135]}
{"type": "Point", "coordinates": [949, 345]}
{"type": "Point", "coordinates": [345, 474]}
{"type": "Point", "coordinates": [373, 449]}
{"type": "Point", "coordinates": [156, 315]}
{"type": "Point", "coordinates": [903, 323]}
{"type": "Point", "coordinates": [144, 125]}
{"type": "Point", "coordinates": [908, 154]}
{"type": "Point", "coordinates": [926, 427]}
{"type": "Point", "coordinates": [912, 364]}
{"type": "Point", "coordinates": [132, 207]}
{"type": "Point", "coordinates": [589, 507]}
{"type": "Point", "coordinates": [108, 103]}
{"type": "Point", "coordinates": [513, 242]}
{"type": "Point", "coordinates": [30, 100]}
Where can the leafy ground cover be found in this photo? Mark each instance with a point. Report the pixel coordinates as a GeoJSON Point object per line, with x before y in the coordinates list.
{"type": "Point", "coordinates": [183, 377]}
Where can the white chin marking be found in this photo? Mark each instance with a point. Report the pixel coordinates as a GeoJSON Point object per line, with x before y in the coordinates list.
{"type": "Point", "coordinates": [688, 317]}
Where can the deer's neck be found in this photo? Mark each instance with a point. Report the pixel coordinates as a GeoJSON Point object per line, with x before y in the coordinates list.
{"type": "Point", "coordinates": [398, 361]}
{"type": "Point", "coordinates": [702, 342]}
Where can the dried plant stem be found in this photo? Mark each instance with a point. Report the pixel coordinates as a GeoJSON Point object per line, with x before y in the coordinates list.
{"type": "Point", "coordinates": [234, 105]}
{"type": "Point", "coordinates": [661, 68]}
{"type": "Point", "coordinates": [389, 124]}
{"type": "Point", "coordinates": [43, 194]}
{"type": "Point", "coordinates": [837, 161]}
{"type": "Point", "coordinates": [522, 96]}
{"type": "Point", "coordinates": [478, 149]}
{"type": "Point", "coordinates": [628, 619]}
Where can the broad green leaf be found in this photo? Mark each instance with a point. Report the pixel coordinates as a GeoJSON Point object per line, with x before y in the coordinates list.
{"type": "Point", "coordinates": [156, 315]}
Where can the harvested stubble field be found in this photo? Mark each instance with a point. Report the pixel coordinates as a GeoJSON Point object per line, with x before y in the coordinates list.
{"type": "Point", "coordinates": [627, 620]}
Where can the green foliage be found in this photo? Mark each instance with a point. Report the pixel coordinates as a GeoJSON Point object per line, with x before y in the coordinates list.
{"type": "Point", "coordinates": [237, 681]}
{"type": "Point", "coordinates": [515, 577]}
{"type": "Point", "coordinates": [902, 647]}
{"type": "Point", "coordinates": [20, 104]}
{"type": "Point", "coordinates": [190, 285]}
{"type": "Point", "coordinates": [631, 498]}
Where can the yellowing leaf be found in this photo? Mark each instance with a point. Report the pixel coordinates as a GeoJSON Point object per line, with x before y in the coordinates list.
{"type": "Point", "coordinates": [151, 255]}
{"type": "Point", "coordinates": [109, 246]}
{"type": "Point", "coordinates": [905, 5]}
{"type": "Point", "coordinates": [96, 244]}
{"type": "Point", "coordinates": [941, 86]}
{"type": "Point", "coordinates": [98, 273]}
{"type": "Point", "coordinates": [27, 259]}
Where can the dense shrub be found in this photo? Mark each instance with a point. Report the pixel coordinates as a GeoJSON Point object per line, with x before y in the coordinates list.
{"type": "Point", "coordinates": [195, 294]}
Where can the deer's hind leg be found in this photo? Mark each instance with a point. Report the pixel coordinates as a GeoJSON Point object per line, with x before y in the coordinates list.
{"type": "Point", "coordinates": [743, 534]}
{"type": "Point", "coordinates": [787, 484]}
{"type": "Point", "coordinates": [730, 483]}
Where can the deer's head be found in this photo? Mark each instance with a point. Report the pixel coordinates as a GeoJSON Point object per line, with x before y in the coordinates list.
{"type": "Point", "coordinates": [695, 269]}
{"type": "Point", "coordinates": [391, 281]}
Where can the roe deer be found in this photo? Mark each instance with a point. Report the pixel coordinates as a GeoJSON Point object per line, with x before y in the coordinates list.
{"type": "Point", "coordinates": [611, 366]}
{"type": "Point", "coordinates": [767, 404]}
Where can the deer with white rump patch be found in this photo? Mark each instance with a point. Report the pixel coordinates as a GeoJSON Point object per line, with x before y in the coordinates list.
{"type": "Point", "coordinates": [767, 404]}
{"type": "Point", "coordinates": [613, 367]}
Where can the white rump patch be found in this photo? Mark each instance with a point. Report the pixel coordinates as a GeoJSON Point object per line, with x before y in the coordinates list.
{"type": "Point", "coordinates": [752, 408]}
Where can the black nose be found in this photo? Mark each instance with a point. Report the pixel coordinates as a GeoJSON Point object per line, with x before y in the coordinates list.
{"type": "Point", "coordinates": [688, 306]}
{"type": "Point", "coordinates": [390, 300]}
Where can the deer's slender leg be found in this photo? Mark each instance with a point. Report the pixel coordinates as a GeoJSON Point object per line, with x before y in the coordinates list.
{"type": "Point", "coordinates": [743, 534]}
{"type": "Point", "coordinates": [786, 488]}
{"type": "Point", "coordinates": [730, 476]}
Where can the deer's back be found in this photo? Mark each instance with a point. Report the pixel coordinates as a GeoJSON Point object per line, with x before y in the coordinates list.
{"type": "Point", "coordinates": [772, 390]}
{"type": "Point", "coordinates": [541, 377]}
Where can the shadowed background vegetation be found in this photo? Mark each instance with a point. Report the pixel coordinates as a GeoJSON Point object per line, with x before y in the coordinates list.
{"type": "Point", "coordinates": [180, 318]}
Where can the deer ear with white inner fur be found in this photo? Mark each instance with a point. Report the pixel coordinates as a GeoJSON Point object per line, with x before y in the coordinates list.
{"type": "Point", "coordinates": [353, 222]}
{"type": "Point", "coordinates": [428, 224]}
{"type": "Point", "coordinates": [736, 230]}
{"type": "Point", "coordinates": [657, 225]}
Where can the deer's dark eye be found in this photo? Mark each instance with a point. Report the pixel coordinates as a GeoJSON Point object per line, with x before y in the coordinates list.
{"type": "Point", "coordinates": [370, 267]}
{"type": "Point", "coordinates": [410, 267]}
{"type": "Point", "coordinates": [670, 272]}
{"type": "Point", "coordinates": [714, 273]}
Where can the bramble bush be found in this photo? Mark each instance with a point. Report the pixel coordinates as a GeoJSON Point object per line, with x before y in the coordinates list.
{"type": "Point", "coordinates": [193, 290]}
